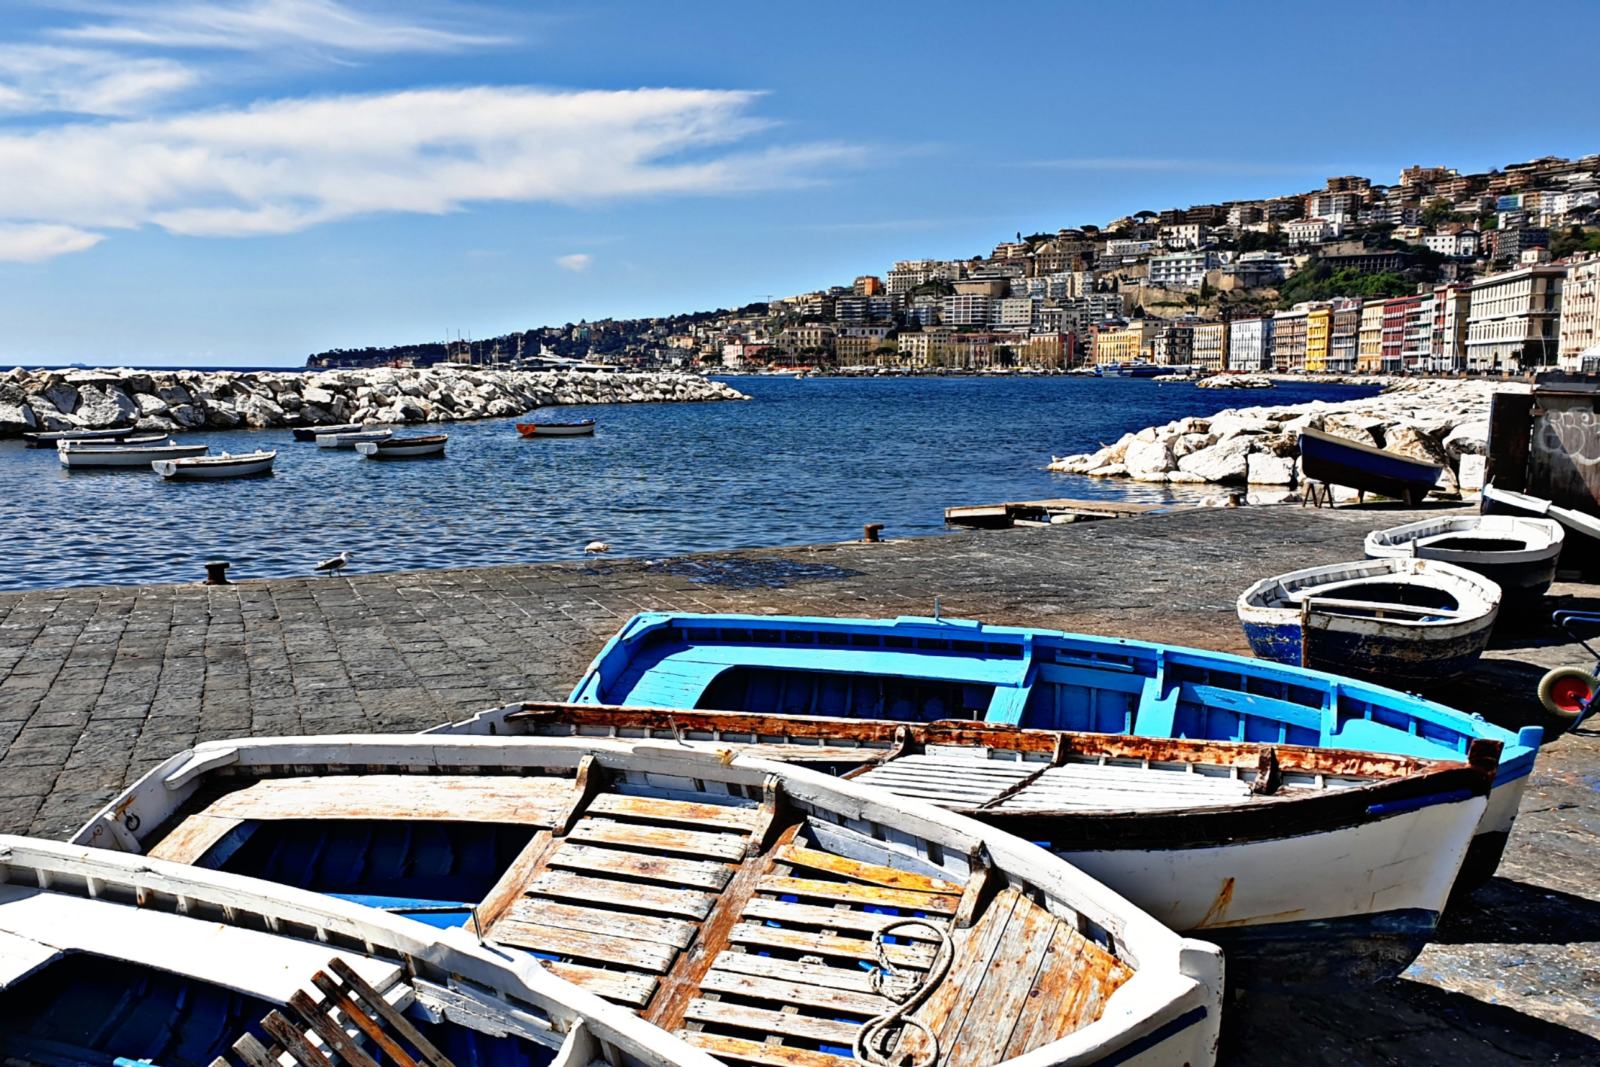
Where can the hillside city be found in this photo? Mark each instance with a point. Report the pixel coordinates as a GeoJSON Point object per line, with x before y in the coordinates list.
{"type": "Point", "coordinates": [1441, 272]}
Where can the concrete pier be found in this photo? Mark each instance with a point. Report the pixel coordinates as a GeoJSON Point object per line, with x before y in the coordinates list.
{"type": "Point", "coordinates": [97, 685]}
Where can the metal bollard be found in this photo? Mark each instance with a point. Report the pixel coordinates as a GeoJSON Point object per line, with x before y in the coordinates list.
{"type": "Point", "coordinates": [217, 572]}
{"type": "Point", "coordinates": [873, 532]}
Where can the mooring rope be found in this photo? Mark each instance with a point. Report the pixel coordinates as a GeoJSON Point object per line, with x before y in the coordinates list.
{"type": "Point", "coordinates": [872, 1040]}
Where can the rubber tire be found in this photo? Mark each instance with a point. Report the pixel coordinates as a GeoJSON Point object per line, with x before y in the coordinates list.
{"type": "Point", "coordinates": [1548, 683]}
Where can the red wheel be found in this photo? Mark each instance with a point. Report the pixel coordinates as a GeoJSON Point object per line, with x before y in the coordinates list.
{"type": "Point", "coordinates": [1566, 691]}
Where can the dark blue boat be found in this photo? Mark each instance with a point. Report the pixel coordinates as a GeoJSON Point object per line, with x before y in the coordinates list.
{"type": "Point", "coordinates": [1327, 458]}
{"type": "Point", "coordinates": [922, 670]}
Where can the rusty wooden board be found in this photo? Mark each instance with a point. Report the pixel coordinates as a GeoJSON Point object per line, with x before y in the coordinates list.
{"type": "Point", "coordinates": [723, 846]}
{"type": "Point", "coordinates": [625, 924]}
{"type": "Point", "coordinates": [740, 1050]}
{"type": "Point", "coordinates": [734, 816]}
{"type": "Point", "coordinates": [590, 859]}
{"type": "Point", "coordinates": [526, 801]}
{"type": "Point", "coordinates": [624, 987]}
{"type": "Point", "coordinates": [849, 893]}
{"type": "Point", "coordinates": [876, 874]}
{"type": "Point", "coordinates": [664, 900]}
{"type": "Point", "coordinates": [769, 1021]}
{"type": "Point", "coordinates": [193, 838]}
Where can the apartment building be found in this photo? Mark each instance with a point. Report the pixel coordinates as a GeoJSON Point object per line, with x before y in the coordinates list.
{"type": "Point", "coordinates": [1580, 317]}
{"type": "Point", "coordinates": [966, 309]}
{"type": "Point", "coordinates": [810, 340]}
{"type": "Point", "coordinates": [1209, 346]}
{"type": "Point", "coordinates": [1250, 344]}
{"type": "Point", "coordinates": [1184, 235]}
{"type": "Point", "coordinates": [1289, 340]}
{"type": "Point", "coordinates": [1512, 323]}
{"type": "Point", "coordinates": [1450, 304]}
{"type": "Point", "coordinates": [1013, 312]}
{"type": "Point", "coordinates": [922, 348]}
{"type": "Point", "coordinates": [1182, 270]}
{"type": "Point", "coordinates": [1394, 333]}
{"type": "Point", "coordinates": [1174, 345]}
{"type": "Point", "coordinates": [1416, 341]}
{"type": "Point", "coordinates": [1344, 335]}
{"type": "Point", "coordinates": [1319, 333]}
{"type": "Point", "coordinates": [1369, 338]}
{"type": "Point", "coordinates": [1303, 233]}
{"type": "Point", "coordinates": [1124, 344]}
{"type": "Point", "coordinates": [1463, 244]}
{"type": "Point", "coordinates": [861, 346]}
{"type": "Point", "coordinates": [910, 273]}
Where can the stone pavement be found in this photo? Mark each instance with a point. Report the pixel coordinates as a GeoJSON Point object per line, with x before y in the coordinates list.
{"type": "Point", "coordinates": [97, 685]}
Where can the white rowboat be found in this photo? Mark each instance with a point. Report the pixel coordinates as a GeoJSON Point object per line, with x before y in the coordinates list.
{"type": "Point", "coordinates": [350, 440]}
{"type": "Point", "coordinates": [1515, 552]}
{"type": "Point", "coordinates": [116, 456]}
{"type": "Point", "coordinates": [245, 465]}
{"type": "Point", "coordinates": [404, 447]}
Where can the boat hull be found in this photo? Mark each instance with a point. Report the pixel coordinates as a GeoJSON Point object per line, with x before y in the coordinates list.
{"type": "Point", "coordinates": [1327, 458]}
{"type": "Point", "coordinates": [141, 458]}
{"type": "Point", "coordinates": [186, 472]}
{"type": "Point", "coordinates": [400, 450]}
{"type": "Point", "coordinates": [50, 438]}
{"type": "Point", "coordinates": [1517, 553]}
{"type": "Point", "coordinates": [311, 433]}
{"type": "Point", "coordinates": [1580, 549]}
{"type": "Point", "coordinates": [556, 429]}
{"type": "Point", "coordinates": [1395, 659]}
{"type": "Point", "coordinates": [350, 440]}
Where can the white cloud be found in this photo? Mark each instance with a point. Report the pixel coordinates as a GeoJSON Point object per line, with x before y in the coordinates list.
{"type": "Point", "coordinates": [287, 165]}
{"type": "Point", "coordinates": [41, 78]}
{"type": "Point", "coordinates": [576, 262]}
{"type": "Point", "coordinates": [261, 25]}
{"type": "Point", "coordinates": [35, 243]}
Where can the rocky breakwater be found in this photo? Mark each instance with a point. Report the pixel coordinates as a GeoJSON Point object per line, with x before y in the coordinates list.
{"type": "Point", "coordinates": [224, 400]}
{"type": "Point", "coordinates": [1439, 421]}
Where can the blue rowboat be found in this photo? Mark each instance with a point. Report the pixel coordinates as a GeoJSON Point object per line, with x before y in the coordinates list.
{"type": "Point", "coordinates": [1404, 621]}
{"type": "Point", "coordinates": [1337, 461]}
{"type": "Point", "coordinates": [923, 670]}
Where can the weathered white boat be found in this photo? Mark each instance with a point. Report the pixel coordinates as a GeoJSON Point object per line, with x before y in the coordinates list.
{"type": "Point", "coordinates": [210, 468]}
{"type": "Point", "coordinates": [415, 447]}
{"type": "Point", "coordinates": [579, 428]}
{"type": "Point", "coordinates": [756, 908]}
{"type": "Point", "coordinates": [50, 438]}
{"type": "Point", "coordinates": [350, 440]}
{"type": "Point", "coordinates": [1516, 553]}
{"type": "Point", "coordinates": [134, 441]}
{"type": "Point", "coordinates": [109, 958]}
{"type": "Point", "coordinates": [310, 433]}
{"type": "Point", "coordinates": [1408, 623]}
{"type": "Point", "coordinates": [76, 457]}
{"type": "Point", "coordinates": [1581, 550]}
{"type": "Point", "coordinates": [1307, 865]}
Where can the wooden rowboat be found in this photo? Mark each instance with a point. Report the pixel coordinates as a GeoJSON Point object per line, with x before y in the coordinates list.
{"type": "Point", "coordinates": [133, 441]}
{"type": "Point", "coordinates": [102, 456]}
{"type": "Point", "coordinates": [414, 447]}
{"type": "Point", "coordinates": [311, 433]}
{"type": "Point", "coordinates": [50, 438]}
{"type": "Point", "coordinates": [210, 468]}
{"type": "Point", "coordinates": [110, 958]}
{"type": "Point", "coordinates": [762, 911]}
{"type": "Point", "coordinates": [1581, 531]}
{"type": "Point", "coordinates": [1290, 840]}
{"type": "Point", "coordinates": [1404, 622]}
{"type": "Point", "coordinates": [1516, 553]}
{"type": "Point", "coordinates": [352, 438]}
{"type": "Point", "coordinates": [581, 428]}
{"type": "Point", "coordinates": [917, 670]}
{"type": "Point", "coordinates": [1337, 461]}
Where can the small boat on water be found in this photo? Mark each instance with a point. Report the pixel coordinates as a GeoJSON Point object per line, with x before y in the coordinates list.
{"type": "Point", "coordinates": [765, 912]}
{"type": "Point", "coordinates": [74, 456]}
{"type": "Point", "coordinates": [1581, 550]}
{"type": "Point", "coordinates": [311, 433]}
{"type": "Point", "coordinates": [1218, 840]}
{"type": "Point", "coordinates": [109, 958]}
{"type": "Point", "coordinates": [1401, 621]}
{"type": "Point", "coordinates": [919, 670]}
{"type": "Point", "coordinates": [1325, 457]}
{"type": "Point", "coordinates": [50, 438]}
{"type": "Point", "coordinates": [414, 447]}
{"type": "Point", "coordinates": [244, 465]}
{"type": "Point", "coordinates": [581, 428]}
{"type": "Point", "coordinates": [1516, 553]}
{"type": "Point", "coordinates": [351, 438]}
{"type": "Point", "coordinates": [135, 441]}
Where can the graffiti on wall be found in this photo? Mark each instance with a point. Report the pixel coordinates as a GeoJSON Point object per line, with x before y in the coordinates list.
{"type": "Point", "coordinates": [1564, 454]}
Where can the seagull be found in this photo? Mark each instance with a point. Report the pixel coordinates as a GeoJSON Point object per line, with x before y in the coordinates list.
{"type": "Point", "coordinates": [595, 548]}
{"type": "Point", "coordinates": [334, 564]}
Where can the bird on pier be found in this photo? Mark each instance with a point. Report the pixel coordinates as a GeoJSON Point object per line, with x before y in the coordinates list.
{"type": "Point", "coordinates": [596, 548]}
{"type": "Point", "coordinates": [335, 564]}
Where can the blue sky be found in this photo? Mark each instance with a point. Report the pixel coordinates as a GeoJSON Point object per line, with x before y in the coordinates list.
{"type": "Point", "coordinates": [248, 181]}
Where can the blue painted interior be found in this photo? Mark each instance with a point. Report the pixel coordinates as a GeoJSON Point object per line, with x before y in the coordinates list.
{"type": "Point", "coordinates": [925, 669]}
{"type": "Point", "coordinates": [434, 872]}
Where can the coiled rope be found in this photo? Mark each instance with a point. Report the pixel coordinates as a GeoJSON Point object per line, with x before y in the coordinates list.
{"type": "Point", "coordinates": [908, 991]}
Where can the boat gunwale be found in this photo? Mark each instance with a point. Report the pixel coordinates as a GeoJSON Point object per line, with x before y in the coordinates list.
{"type": "Point", "coordinates": [1411, 540]}
{"type": "Point", "coordinates": [1476, 609]}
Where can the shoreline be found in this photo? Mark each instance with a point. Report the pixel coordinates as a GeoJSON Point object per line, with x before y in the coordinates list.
{"type": "Point", "coordinates": [178, 401]}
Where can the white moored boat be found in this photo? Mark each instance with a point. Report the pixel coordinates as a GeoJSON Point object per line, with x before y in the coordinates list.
{"type": "Point", "coordinates": [404, 447]}
{"type": "Point", "coordinates": [787, 916]}
{"type": "Point", "coordinates": [227, 465]}
{"type": "Point", "coordinates": [350, 440]}
{"type": "Point", "coordinates": [1404, 622]}
{"type": "Point", "coordinates": [51, 438]}
{"type": "Point", "coordinates": [1517, 553]}
{"type": "Point", "coordinates": [76, 456]}
{"type": "Point", "coordinates": [135, 441]}
{"type": "Point", "coordinates": [110, 958]}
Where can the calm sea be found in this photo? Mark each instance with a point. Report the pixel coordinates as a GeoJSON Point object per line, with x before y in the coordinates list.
{"type": "Point", "coordinates": [804, 461]}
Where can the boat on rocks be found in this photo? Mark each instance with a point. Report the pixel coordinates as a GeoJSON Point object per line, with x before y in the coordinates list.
{"type": "Point", "coordinates": [919, 670]}
{"type": "Point", "coordinates": [580, 428]}
{"type": "Point", "coordinates": [116, 958]}
{"type": "Point", "coordinates": [352, 438]}
{"type": "Point", "coordinates": [763, 912]}
{"type": "Point", "coordinates": [1326, 457]}
{"type": "Point", "coordinates": [213, 468]}
{"type": "Point", "coordinates": [51, 438]}
{"type": "Point", "coordinates": [1272, 852]}
{"type": "Point", "coordinates": [75, 456]}
{"type": "Point", "coordinates": [413, 447]}
{"type": "Point", "coordinates": [1581, 547]}
{"type": "Point", "coordinates": [1515, 552]}
{"type": "Point", "coordinates": [311, 433]}
{"type": "Point", "coordinates": [1407, 622]}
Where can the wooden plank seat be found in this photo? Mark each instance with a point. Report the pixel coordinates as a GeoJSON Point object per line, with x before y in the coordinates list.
{"type": "Point", "coordinates": [503, 798]}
